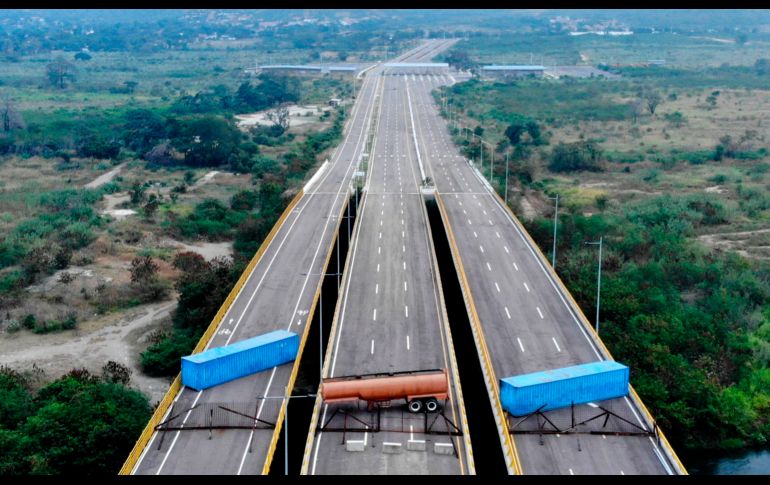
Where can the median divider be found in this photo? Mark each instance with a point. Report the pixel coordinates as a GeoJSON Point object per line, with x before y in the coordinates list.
{"type": "Point", "coordinates": [586, 324]}
{"type": "Point", "coordinates": [305, 333]}
{"type": "Point", "coordinates": [512, 461]}
{"type": "Point", "coordinates": [176, 384]}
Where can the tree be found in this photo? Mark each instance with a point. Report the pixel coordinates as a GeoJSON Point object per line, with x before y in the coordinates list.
{"type": "Point", "coordinates": [651, 98]}
{"type": "Point", "coordinates": [280, 118]}
{"type": "Point", "coordinates": [568, 157]}
{"type": "Point", "coordinates": [143, 270]}
{"type": "Point", "coordinates": [60, 71]}
{"type": "Point", "coordinates": [115, 372]}
{"type": "Point", "coordinates": [10, 118]}
{"type": "Point", "coordinates": [207, 141]}
{"type": "Point", "coordinates": [137, 192]}
{"type": "Point", "coordinates": [151, 206]}
{"type": "Point", "coordinates": [130, 86]}
{"type": "Point", "coordinates": [762, 66]}
{"type": "Point", "coordinates": [82, 56]}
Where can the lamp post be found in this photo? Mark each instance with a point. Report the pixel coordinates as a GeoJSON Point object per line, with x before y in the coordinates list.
{"type": "Point", "coordinates": [555, 223]}
{"type": "Point", "coordinates": [506, 178]}
{"type": "Point", "coordinates": [321, 317]}
{"type": "Point", "coordinates": [598, 282]}
{"type": "Point", "coordinates": [286, 424]}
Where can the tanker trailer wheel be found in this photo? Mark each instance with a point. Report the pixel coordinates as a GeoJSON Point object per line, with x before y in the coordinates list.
{"type": "Point", "coordinates": [415, 406]}
{"type": "Point", "coordinates": [431, 405]}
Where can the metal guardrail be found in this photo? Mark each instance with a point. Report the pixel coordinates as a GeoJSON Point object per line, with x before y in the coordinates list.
{"type": "Point", "coordinates": [512, 461]}
{"type": "Point", "coordinates": [176, 384]}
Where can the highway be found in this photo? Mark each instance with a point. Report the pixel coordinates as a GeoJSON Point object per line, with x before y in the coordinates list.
{"type": "Point", "coordinates": [390, 317]}
{"type": "Point", "coordinates": [528, 323]}
{"type": "Point", "coordinates": [278, 294]}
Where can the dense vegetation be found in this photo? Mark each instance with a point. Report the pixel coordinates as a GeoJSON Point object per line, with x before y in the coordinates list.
{"type": "Point", "coordinates": [693, 326]}
{"type": "Point", "coordinates": [79, 424]}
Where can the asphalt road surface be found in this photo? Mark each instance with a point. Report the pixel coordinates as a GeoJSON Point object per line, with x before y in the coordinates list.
{"type": "Point", "coordinates": [391, 318]}
{"type": "Point", "coordinates": [528, 324]}
{"type": "Point", "coordinates": [277, 295]}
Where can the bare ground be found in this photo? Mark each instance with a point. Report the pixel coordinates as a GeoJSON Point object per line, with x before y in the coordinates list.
{"type": "Point", "coordinates": [91, 345]}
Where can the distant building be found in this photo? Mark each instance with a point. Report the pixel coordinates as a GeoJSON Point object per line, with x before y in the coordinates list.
{"type": "Point", "coordinates": [398, 68]}
{"type": "Point", "coordinates": [335, 101]}
{"type": "Point", "coordinates": [308, 69]}
{"type": "Point", "coordinates": [512, 71]}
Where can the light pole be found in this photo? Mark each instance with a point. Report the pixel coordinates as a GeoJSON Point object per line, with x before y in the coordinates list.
{"type": "Point", "coordinates": [598, 282]}
{"type": "Point", "coordinates": [321, 317]}
{"type": "Point", "coordinates": [286, 424]}
{"type": "Point", "coordinates": [555, 223]}
{"type": "Point", "coordinates": [506, 178]}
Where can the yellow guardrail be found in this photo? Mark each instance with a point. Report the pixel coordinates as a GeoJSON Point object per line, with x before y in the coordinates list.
{"type": "Point", "coordinates": [329, 350]}
{"type": "Point", "coordinates": [176, 385]}
{"type": "Point", "coordinates": [588, 326]}
{"type": "Point", "coordinates": [452, 356]}
{"type": "Point", "coordinates": [295, 370]}
{"type": "Point", "coordinates": [512, 458]}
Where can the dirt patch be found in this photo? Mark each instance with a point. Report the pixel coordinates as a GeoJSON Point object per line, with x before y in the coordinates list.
{"type": "Point", "coordinates": [118, 337]}
{"type": "Point", "coordinates": [207, 250]}
{"type": "Point", "coordinates": [298, 115]}
{"type": "Point", "coordinates": [104, 178]}
{"type": "Point", "coordinates": [750, 244]}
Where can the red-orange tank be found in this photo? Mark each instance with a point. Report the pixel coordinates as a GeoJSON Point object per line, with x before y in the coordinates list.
{"type": "Point", "coordinates": [421, 384]}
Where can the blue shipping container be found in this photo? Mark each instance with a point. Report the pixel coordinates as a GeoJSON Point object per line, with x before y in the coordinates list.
{"type": "Point", "coordinates": [557, 388]}
{"type": "Point", "coordinates": [222, 364]}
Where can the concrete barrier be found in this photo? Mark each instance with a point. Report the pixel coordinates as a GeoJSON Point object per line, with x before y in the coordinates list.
{"type": "Point", "coordinates": [354, 445]}
{"type": "Point", "coordinates": [443, 448]}
{"type": "Point", "coordinates": [415, 445]}
{"type": "Point", "coordinates": [388, 447]}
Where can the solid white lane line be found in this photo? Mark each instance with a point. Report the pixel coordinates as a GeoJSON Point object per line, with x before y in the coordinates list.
{"type": "Point", "coordinates": [557, 347]}
{"type": "Point", "coordinates": [496, 286]}
{"type": "Point", "coordinates": [508, 313]}
{"type": "Point", "coordinates": [259, 412]}
{"type": "Point", "coordinates": [521, 346]}
{"type": "Point", "coordinates": [527, 287]}
{"type": "Point", "coordinates": [539, 312]}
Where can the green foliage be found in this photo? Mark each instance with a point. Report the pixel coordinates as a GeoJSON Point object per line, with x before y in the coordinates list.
{"type": "Point", "coordinates": [680, 317]}
{"type": "Point", "coordinates": [163, 358]}
{"type": "Point", "coordinates": [202, 289]}
{"type": "Point", "coordinates": [210, 219]}
{"type": "Point", "coordinates": [570, 157]}
{"type": "Point", "coordinates": [76, 425]}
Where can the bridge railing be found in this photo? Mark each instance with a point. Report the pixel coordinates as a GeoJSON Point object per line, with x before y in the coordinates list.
{"type": "Point", "coordinates": [176, 384]}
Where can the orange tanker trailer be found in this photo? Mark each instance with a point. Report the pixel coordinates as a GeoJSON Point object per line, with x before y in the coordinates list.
{"type": "Point", "coordinates": [417, 388]}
